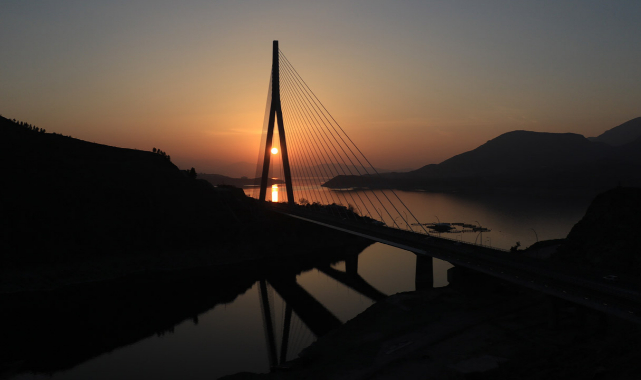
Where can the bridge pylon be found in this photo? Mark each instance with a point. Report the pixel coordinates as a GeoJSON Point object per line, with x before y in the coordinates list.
{"type": "Point", "coordinates": [276, 113]}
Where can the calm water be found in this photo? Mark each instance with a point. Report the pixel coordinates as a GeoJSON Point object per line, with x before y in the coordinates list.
{"type": "Point", "coordinates": [510, 218]}
{"type": "Point", "coordinates": [230, 338]}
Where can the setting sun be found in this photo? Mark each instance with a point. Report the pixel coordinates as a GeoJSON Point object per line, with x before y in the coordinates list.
{"type": "Point", "coordinates": [274, 150]}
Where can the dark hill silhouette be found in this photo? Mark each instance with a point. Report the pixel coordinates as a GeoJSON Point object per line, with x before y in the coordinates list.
{"type": "Point", "coordinates": [607, 236]}
{"type": "Point", "coordinates": [631, 151]}
{"type": "Point", "coordinates": [520, 161]}
{"type": "Point", "coordinates": [621, 134]}
{"type": "Point", "coordinates": [66, 198]}
{"type": "Point", "coordinates": [519, 151]}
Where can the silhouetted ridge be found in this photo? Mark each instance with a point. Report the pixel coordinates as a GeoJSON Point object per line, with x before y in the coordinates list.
{"type": "Point", "coordinates": [521, 161]}
{"type": "Point", "coordinates": [621, 134]}
{"type": "Point", "coordinates": [518, 151]}
{"type": "Point", "coordinates": [66, 198]}
{"type": "Point", "coordinates": [632, 151]}
{"type": "Point", "coordinates": [607, 236]}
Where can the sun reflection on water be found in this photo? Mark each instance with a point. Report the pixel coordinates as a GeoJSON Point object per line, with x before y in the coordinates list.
{"type": "Point", "coordinates": [274, 193]}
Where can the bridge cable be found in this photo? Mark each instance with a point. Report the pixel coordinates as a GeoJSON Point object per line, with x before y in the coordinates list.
{"type": "Point", "coordinates": [355, 146]}
{"type": "Point", "coordinates": [318, 149]}
{"type": "Point", "coordinates": [300, 141]}
{"type": "Point", "coordinates": [305, 189]}
{"type": "Point", "coordinates": [351, 196]}
{"type": "Point", "coordinates": [315, 107]}
{"type": "Point", "coordinates": [310, 167]}
{"type": "Point", "coordinates": [293, 122]}
{"type": "Point", "coordinates": [298, 333]}
{"type": "Point", "coordinates": [280, 330]}
{"type": "Point", "coordinates": [306, 178]}
{"type": "Point", "coordinates": [306, 98]}
{"type": "Point", "coordinates": [326, 140]}
{"type": "Point", "coordinates": [323, 167]}
{"type": "Point", "coordinates": [308, 112]}
{"type": "Point", "coordinates": [317, 118]}
{"type": "Point", "coordinates": [327, 143]}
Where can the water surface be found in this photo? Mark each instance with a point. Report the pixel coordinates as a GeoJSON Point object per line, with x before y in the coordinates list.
{"type": "Point", "coordinates": [231, 337]}
{"type": "Point", "coordinates": [511, 218]}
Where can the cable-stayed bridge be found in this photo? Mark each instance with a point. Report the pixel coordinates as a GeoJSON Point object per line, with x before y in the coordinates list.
{"type": "Point", "coordinates": [311, 148]}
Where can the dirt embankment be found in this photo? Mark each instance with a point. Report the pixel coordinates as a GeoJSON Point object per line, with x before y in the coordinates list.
{"type": "Point", "coordinates": [607, 236]}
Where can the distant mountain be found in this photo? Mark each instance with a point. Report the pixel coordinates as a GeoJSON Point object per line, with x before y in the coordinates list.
{"type": "Point", "coordinates": [238, 169]}
{"type": "Point", "coordinates": [621, 134]}
{"type": "Point", "coordinates": [521, 160]}
{"type": "Point", "coordinates": [519, 151]}
{"type": "Point", "coordinates": [631, 151]}
{"type": "Point", "coordinates": [325, 170]}
{"type": "Point", "coordinates": [245, 169]}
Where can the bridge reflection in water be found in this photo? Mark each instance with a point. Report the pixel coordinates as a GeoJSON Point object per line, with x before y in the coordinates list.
{"type": "Point", "coordinates": [164, 324]}
{"type": "Point", "coordinates": [302, 318]}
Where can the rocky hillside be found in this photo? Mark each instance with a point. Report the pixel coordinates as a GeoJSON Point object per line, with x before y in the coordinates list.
{"type": "Point", "coordinates": [607, 238]}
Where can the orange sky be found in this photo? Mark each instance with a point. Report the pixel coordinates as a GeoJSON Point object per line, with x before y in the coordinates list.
{"type": "Point", "coordinates": [413, 83]}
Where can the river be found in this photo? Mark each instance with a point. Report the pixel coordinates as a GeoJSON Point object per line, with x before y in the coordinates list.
{"type": "Point", "coordinates": [231, 338]}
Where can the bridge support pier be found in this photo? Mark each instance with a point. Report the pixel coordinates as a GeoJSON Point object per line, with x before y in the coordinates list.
{"type": "Point", "coordinates": [351, 265]}
{"type": "Point", "coordinates": [424, 272]}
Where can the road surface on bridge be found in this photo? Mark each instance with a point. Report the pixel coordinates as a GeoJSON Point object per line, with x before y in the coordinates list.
{"type": "Point", "coordinates": [565, 283]}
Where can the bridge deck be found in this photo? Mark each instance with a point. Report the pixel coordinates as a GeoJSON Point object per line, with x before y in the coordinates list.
{"type": "Point", "coordinates": [521, 270]}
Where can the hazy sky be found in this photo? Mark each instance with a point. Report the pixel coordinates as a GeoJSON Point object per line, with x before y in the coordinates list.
{"type": "Point", "coordinates": [413, 82]}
